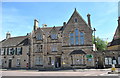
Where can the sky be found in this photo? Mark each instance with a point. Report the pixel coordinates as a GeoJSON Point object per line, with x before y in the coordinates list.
{"type": "Point", "coordinates": [18, 17]}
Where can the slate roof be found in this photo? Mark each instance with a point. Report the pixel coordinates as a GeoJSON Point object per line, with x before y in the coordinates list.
{"type": "Point", "coordinates": [15, 41]}
{"type": "Point", "coordinates": [115, 42]}
{"type": "Point", "coordinates": [48, 29]}
{"type": "Point", "coordinates": [77, 52]}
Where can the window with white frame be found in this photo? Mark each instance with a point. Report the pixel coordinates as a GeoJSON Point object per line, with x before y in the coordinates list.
{"type": "Point", "coordinates": [108, 61]}
{"type": "Point", "coordinates": [39, 61]}
{"type": "Point", "coordinates": [2, 51]}
{"type": "Point", "coordinates": [11, 51]}
{"type": "Point", "coordinates": [54, 48]}
{"type": "Point", "coordinates": [119, 60]}
{"type": "Point", "coordinates": [19, 51]}
{"type": "Point", "coordinates": [18, 62]}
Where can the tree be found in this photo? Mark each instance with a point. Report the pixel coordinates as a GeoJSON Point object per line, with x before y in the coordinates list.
{"type": "Point", "coordinates": [100, 44]}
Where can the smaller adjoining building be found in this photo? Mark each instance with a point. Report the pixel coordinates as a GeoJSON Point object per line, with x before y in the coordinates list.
{"type": "Point", "coordinates": [111, 56]}
{"type": "Point", "coordinates": [14, 51]}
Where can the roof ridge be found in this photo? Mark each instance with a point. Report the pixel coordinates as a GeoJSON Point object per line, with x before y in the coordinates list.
{"type": "Point", "coordinates": [17, 37]}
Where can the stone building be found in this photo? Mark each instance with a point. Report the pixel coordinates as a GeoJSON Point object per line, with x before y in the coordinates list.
{"type": "Point", "coordinates": [112, 54]}
{"type": "Point", "coordinates": [14, 51]}
{"type": "Point", "coordinates": [64, 46]}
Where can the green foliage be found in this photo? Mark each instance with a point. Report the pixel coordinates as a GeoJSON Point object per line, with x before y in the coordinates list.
{"type": "Point", "coordinates": [100, 44]}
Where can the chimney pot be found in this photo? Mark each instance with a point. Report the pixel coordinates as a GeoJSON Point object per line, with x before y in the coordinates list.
{"type": "Point", "coordinates": [36, 22]}
{"type": "Point", "coordinates": [64, 23]}
{"type": "Point", "coordinates": [8, 35]}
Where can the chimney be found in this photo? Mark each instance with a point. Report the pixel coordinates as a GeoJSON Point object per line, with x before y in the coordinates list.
{"type": "Point", "coordinates": [44, 25]}
{"type": "Point", "coordinates": [118, 21]}
{"type": "Point", "coordinates": [64, 23]}
{"type": "Point", "coordinates": [35, 24]}
{"type": "Point", "coordinates": [8, 35]}
{"type": "Point", "coordinates": [89, 23]}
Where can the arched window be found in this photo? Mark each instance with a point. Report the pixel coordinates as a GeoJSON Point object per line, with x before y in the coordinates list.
{"type": "Point", "coordinates": [81, 38]}
{"type": "Point", "coordinates": [75, 20]}
{"type": "Point", "coordinates": [71, 38]}
{"type": "Point", "coordinates": [76, 36]}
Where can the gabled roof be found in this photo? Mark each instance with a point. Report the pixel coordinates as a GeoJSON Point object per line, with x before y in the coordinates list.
{"type": "Point", "coordinates": [116, 38]}
{"type": "Point", "coordinates": [76, 12]}
{"type": "Point", "coordinates": [15, 41]}
{"type": "Point", "coordinates": [47, 30]}
{"type": "Point", "coordinates": [117, 33]}
{"type": "Point", "coordinates": [115, 42]}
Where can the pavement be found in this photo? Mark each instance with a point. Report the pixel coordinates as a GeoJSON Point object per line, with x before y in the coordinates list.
{"type": "Point", "coordinates": [75, 72]}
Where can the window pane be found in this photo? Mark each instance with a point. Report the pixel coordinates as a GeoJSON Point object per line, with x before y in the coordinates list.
{"type": "Point", "coordinates": [76, 40]}
{"type": "Point", "coordinates": [39, 37]}
{"type": "Point", "coordinates": [75, 19]}
{"type": "Point", "coordinates": [118, 60]}
{"type": "Point", "coordinates": [18, 62]}
{"type": "Point", "coordinates": [81, 38]}
{"type": "Point", "coordinates": [76, 32]}
{"type": "Point", "coordinates": [110, 61]}
{"type": "Point", "coordinates": [54, 36]}
{"type": "Point", "coordinates": [81, 34]}
{"type": "Point", "coordinates": [106, 61]}
{"type": "Point", "coordinates": [71, 34]}
{"type": "Point", "coordinates": [71, 38]}
{"type": "Point", "coordinates": [54, 48]}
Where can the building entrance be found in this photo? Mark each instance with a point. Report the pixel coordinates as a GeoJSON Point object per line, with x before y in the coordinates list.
{"type": "Point", "coordinates": [57, 62]}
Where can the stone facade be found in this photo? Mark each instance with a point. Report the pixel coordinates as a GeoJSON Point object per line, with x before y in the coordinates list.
{"type": "Point", "coordinates": [56, 52]}
{"type": "Point", "coordinates": [64, 46]}
{"type": "Point", "coordinates": [14, 51]}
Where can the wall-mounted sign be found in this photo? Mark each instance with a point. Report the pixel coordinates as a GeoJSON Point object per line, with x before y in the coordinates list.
{"type": "Point", "coordinates": [89, 56]}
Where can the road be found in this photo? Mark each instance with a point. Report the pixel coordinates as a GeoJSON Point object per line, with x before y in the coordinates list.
{"type": "Point", "coordinates": [78, 72]}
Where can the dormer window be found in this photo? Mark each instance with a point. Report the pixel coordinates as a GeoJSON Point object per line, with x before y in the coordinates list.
{"type": "Point", "coordinates": [53, 36]}
{"type": "Point", "coordinates": [39, 37]}
{"type": "Point", "coordinates": [75, 20]}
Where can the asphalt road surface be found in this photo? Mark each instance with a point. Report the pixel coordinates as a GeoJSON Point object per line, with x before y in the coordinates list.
{"type": "Point", "coordinates": [78, 72]}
